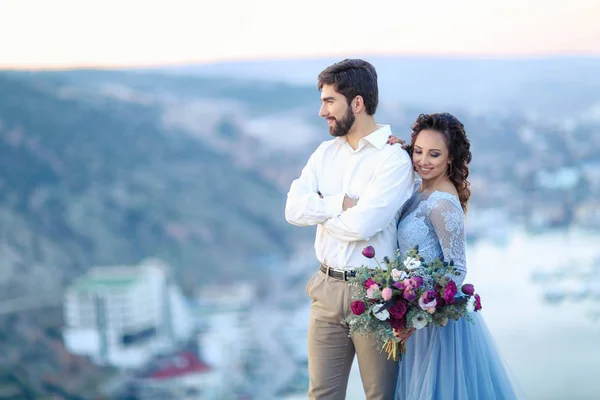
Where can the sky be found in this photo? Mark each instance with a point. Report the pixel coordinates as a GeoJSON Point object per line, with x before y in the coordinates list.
{"type": "Point", "coordinates": [117, 33]}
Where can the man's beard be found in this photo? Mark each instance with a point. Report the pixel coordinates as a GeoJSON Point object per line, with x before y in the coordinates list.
{"type": "Point", "coordinates": [342, 126]}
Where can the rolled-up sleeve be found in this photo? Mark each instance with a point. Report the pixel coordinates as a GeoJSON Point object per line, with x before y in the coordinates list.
{"type": "Point", "coordinates": [304, 206]}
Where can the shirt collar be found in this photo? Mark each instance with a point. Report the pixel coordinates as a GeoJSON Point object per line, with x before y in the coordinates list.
{"type": "Point", "coordinates": [380, 137]}
{"type": "Point", "coordinates": [377, 139]}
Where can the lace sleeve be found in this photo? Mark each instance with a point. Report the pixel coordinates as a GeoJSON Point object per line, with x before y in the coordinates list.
{"type": "Point", "coordinates": [448, 221]}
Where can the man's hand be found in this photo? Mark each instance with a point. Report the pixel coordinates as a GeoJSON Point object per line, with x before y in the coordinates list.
{"type": "Point", "coordinates": [348, 203]}
{"type": "Point", "coordinates": [392, 140]}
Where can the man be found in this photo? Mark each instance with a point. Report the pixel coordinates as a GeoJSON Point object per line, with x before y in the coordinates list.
{"type": "Point", "coordinates": [352, 188]}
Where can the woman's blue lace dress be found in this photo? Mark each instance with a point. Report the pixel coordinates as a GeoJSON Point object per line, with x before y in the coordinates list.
{"type": "Point", "coordinates": [460, 360]}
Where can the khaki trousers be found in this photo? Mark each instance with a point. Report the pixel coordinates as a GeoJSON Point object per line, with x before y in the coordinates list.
{"type": "Point", "coordinates": [331, 350]}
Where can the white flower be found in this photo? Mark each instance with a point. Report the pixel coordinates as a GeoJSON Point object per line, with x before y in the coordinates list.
{"type": "Point", "coordinates": [398, 275]}
{"type": "Point", "coordinates": [381, 315]}
{"type": "Point", "coordinates": [471, 304]}
{"type": "Point", "coordinates": [419, 321]}
{"type": "Point", "coordinates": [411, 263]}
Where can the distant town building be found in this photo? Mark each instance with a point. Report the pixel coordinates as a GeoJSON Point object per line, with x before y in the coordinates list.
{"type": "Point", "coordinates": [122, 316]}
{"type": "Point", "coordinates": [179, 376]}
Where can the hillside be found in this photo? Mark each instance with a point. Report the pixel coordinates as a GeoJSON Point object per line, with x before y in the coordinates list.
{"type": "Point", "coordinates": [102, 182]}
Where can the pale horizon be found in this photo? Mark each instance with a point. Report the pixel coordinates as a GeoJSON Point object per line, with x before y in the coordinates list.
{"type": "Point", "coordinates": [37, 34]}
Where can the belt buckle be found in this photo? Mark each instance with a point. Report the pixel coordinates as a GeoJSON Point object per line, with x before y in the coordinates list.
{"type": "Point", "coordinates": [332, 272]}
{"type": "Point", "coordinates": [343, 273]}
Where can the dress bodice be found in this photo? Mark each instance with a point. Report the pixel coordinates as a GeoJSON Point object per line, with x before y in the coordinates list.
{"type": "Point", "coordinates": [435, 222]}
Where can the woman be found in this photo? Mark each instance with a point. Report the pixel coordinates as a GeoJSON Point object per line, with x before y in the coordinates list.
{"type": "Point", "coordinates": [460, 360]}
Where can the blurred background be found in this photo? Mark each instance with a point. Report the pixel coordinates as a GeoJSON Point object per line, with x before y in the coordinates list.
{"type": "Point", "coordinates": [146, 149]}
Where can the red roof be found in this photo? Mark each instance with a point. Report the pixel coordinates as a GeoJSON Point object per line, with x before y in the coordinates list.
{"type": "Point", "coordinates": [181, 364]}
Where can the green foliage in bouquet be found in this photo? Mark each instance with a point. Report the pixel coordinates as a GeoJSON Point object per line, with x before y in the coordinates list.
{"type": "Point", "coordinates": [407, 294]}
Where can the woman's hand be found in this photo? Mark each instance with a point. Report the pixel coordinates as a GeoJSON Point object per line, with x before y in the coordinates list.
{"type": "Point", "coordinates": [392, 140]}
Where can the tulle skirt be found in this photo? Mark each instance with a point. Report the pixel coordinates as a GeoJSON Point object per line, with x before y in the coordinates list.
{"type": "Point", "coordinates": [459, 361]}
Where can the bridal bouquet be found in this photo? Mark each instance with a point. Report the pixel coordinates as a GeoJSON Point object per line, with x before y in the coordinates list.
{"type": "Point", "coordinates": [408, 294]}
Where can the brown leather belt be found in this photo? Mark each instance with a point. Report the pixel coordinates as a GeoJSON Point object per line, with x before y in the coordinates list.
{"type": "Point", "coordinates": [337, 274]}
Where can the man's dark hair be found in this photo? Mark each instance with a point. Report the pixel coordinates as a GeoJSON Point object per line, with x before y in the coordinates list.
{"type": "Point", "coordinates": [351, 78]}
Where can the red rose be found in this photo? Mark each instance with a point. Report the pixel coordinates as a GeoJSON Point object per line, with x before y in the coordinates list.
{"type": "Point", "coordinates": [440, 300]}
{"type": "Point", "coordinates": [398, 323]}
{"type": "Point", "coordinates": [357, 307]}
{"type": "Point", "coordinates": [398, 309]}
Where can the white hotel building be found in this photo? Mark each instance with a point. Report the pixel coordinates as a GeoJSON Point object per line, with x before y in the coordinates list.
{"type": "Point", "coordinates": [122, 316]}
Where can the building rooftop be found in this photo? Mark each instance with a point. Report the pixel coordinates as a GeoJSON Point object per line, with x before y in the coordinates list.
{"type": "Point", "coordinates": [180, 364]}
{"type": "Point", "coordinates": [88, 284]}
{"type": "Point", "coordinates": [106, 278]}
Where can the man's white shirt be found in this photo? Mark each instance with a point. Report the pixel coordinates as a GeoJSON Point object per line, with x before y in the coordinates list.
{"type": "Point", "coordinates": [378, 174]}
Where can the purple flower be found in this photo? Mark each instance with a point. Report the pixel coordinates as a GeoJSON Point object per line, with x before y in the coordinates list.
{"type": "Point", "coordinates": [450, 292]}
{"type": "Point", "coordinates": [368, 252]}
{"type": "Point", "coordinates": [409, 294]}
{"type": "Point", "coordinates": [477, 303]}
{"type": "Point", "coordinates": [357, 307]}
{"type": "Point", "coordinates": [416, 282]}
{"type": "Point", "coordinates": [468, 289]}
{"type": "Point", "coordinates": [398, 285]}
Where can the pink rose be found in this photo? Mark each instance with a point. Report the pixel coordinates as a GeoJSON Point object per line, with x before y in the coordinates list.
{"type": "Point", "coordinates": [368, 252]}
{"type": "Point", "coordinates": [372, 291]}
{"type": "Point", "coordinates": [386, 293]}
{"type": "Point", "coordinates": [428, 301]}
{"type": "Point", "coordinates": [357, 307]}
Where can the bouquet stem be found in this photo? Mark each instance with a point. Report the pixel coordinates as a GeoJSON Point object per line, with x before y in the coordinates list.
{"type": "Point", "coordinates": [394, 349]}
{"type": "Point", "coordinates": [379, 265]}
